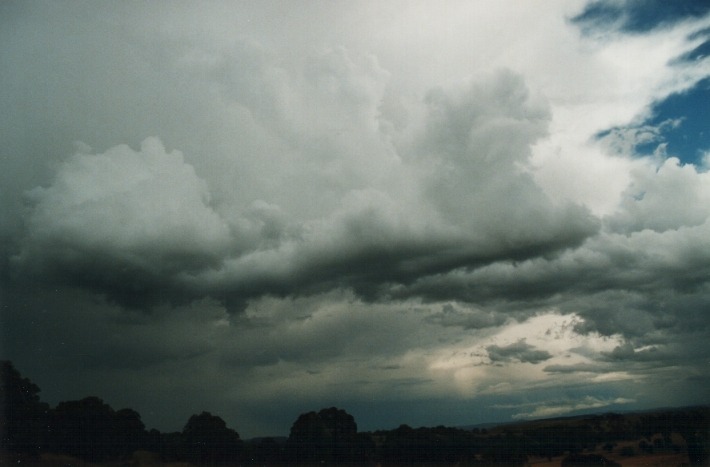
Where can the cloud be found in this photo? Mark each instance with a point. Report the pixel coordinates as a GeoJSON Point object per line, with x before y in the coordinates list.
{"type": "Point", "coordinates": [557, 409]}
{"type": "Point", "coordinates": [453, 315]}
{"type": "Point", "coordinates": [517, 351]}
{"type": "Point", "coordinates": [332, 211]}
{"type": "Point", "coordinates": [627, 353]}
{"type": "Point", "coordinates": [125, 220]}
{"type": "Point", "coordinates": [580, 367]}
{"type": "Point", "coordinates": [477, 145]}
{"type": "Point", "coordinates": [627, 140]}
{"type": "Point", "coordinates": [463, 197]}
{"type": "Point", "coordinates": [639, 255]}
{"type": "Point", "coordinates": [678, 191]}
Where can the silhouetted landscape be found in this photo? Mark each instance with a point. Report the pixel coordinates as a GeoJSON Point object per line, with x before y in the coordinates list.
{"type": "Point", "coordinates": [89, 431]}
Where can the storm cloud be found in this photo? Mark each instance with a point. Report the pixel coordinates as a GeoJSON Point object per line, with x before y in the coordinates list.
{"type": "Point", "coordinates": [260, 210]}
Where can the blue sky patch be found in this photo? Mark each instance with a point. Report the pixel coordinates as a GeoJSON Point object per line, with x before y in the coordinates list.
{"type": "Point", "coordinates": [690, 139]}
{"type": "Point", "coordinates": [639, 15]}
{"type": "Point", "coordinates": [680, 122]}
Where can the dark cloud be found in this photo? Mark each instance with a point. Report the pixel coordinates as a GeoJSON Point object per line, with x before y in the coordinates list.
{"type": "Point", "coordinates": [517, 351]}
{"type": "Point", "coordinates": [123, 223]}
{"type": "Point", "coordinates": [625, 352]}
{"type": "Point", "coordinates": [451, 315]}
{"type": "Point", "coordinates": [139, 225]}
{"type": "Point", "coordinates": [580, 367]}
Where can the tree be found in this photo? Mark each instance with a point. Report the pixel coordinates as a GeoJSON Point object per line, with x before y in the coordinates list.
{"type": "Point", "coordinates": [23, 417]}
{"type": "Point", "coordinates": [129, 431]}
{"type": "Point", "coordinates": [85, 428]}
{"type": "Point", "coordinates": [329, 436]}
{"type": "Point", "coordinates": [207, 440]}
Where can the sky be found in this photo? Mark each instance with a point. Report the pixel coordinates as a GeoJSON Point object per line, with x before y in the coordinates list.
{"type": "Point", "coordinates": [431, 213]}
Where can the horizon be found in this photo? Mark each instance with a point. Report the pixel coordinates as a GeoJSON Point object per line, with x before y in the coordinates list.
{"type": "Point", "coordinates": [424, 214]}
{"type": "Point", "coordinates": [467, 427]}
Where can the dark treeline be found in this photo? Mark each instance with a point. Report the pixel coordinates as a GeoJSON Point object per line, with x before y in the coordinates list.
{"type": "Point", "coordinates": [92, 431]}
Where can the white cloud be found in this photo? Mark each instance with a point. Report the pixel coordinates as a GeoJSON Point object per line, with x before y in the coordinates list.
{"type": "Point", "coordinates": [517, 355]}
{"type": "Point", "coordinates": [143, 209]}
{"type": "Point", "coordinates": [664, 197]}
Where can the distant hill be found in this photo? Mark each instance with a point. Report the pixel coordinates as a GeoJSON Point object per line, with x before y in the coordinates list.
{"type": "Point", "coordinates": [574, 420]}
{"type": "Point", "coordinates": [481, 426]}
{"type": "Point", "coordinates": [669, 436]}
{"type": "Point", "coordinates": [662, 419]}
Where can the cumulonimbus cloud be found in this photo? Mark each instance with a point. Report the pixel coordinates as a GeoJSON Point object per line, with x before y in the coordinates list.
{"type": "Point", "coordinates": [391, 215]}
{"type": "Point", "coordinates": [467, 200]}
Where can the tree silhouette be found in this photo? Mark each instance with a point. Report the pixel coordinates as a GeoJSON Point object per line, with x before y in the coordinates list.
{"type": "Point", "coordinates": [129, 430]}
{"type": "Point", "coordinates": [23, 417]}
{"type": "Point", "coordinates": [207, 440]}
{"type": "Point", "coordinates": [329, 436]}
{"type": "Point", "coordinates": [85, 428]}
